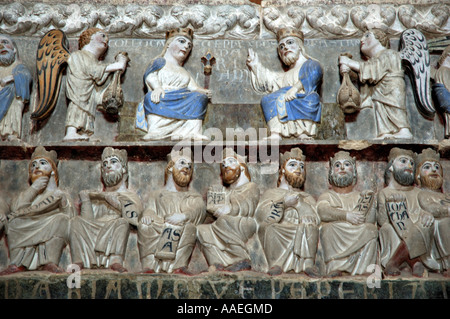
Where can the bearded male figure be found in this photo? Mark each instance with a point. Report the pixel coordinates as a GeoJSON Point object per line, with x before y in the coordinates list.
{"type": "Point", "coordinates": [293, 107]}
{"type": "Point", "coordinates": [348, 232]}
{"type": "Point", "coordinates": [429, 177]}
{"type": "Point", "coordinates": [223, 242]}
{"type": "Point", "coordinates": [15, 88]}
{"type": "Point", "coordinates": [37, 228]}
{"type": "Point", "coordinates": [99, 236]}
{"type": "Point", "coordinates": [166, 231]}
{"type": "Point", "coordinates": [288, 221]}
{"type": "Point", "coordinates": [406, 231]}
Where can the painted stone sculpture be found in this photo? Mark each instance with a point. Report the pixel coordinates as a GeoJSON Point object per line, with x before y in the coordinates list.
{"type": "Point", "coordinates": [293, 107]}
{"type": "Point", "coordinates": [406, 231]}
{"type": "Point", "coordinates": [99, 235]}
{"type": "Point", "coordinates": [288, 221]}
{"type": "Point", "coordinates": [441, 88]}
{"type": "Point", "coordinates": [383, 80]}
{"type": "Point", "coordinates": [15, 88]}
{"type": "Point", "coordinates": [223, 242]}
{"type": "Point", "coordinates": [348, 233]}
{"type": "Point", "coordinates": [38, 224]}
{"type": "Point", "coordinates": [85, 73]}
{"type": "Point", "coordinates": [166, 231]}
{"type": "Point", "coordinates": [175, 104]}
{"type": "Point", "coordinates": [429, 177]}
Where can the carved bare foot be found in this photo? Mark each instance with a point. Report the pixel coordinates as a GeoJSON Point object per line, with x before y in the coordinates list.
{"type": "Point", "coordinates": [75, 137]}
{"type": "Point", "coordinates": [240, 266]}
{"type": "Point", "coordinates": [12, 269]}
{"type": "Point", "coordinates": [273, 136]}
{"type": "Point", "coordinates": [404, 133]}
{"type": "Point", "coordinates": [118, 267]}
{"type": "Point", "coordinates": [182, 271]}
{"type": "Point", "coordinates": [51, 267]}
{"type": "Point", "coordinates": [151, 137]}
{"type": "Point", "coordinates": [200, 137]}
{"type": "Point", "coordinates": [392, 271]}
{"type": "Point", "coordinates": [335, 273]}
{"type": "Point", "coordinates": [148, 271]}
{"type": "Point", "coordinates": [418, 270]}
{"type": "Point", "coordinates": [305, 137]}
{"type": "Point", "coordinates": [384, 137]}
{"type": "Point", "coordinates": [312, 272]}
{"type": "Point", "coordinates": [275, 271]}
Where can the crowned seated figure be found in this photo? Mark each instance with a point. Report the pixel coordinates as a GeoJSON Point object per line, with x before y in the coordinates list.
{"type": "Point", "coordinates": [175, 104]}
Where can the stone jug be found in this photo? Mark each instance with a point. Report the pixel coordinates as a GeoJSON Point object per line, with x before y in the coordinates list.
{"type": "Point", "coordinates": [348, 96]}
{"type": "Point", "coordinates": [113, 95]}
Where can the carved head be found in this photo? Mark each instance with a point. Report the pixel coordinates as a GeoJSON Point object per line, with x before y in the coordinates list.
{"type": "Point", "coordinates": [290, 45]}
{"type": "Point", "coordinates": [429, 172]}
{"type": "Point", "coordinates": [401, 166]}
{"type": "Point", "coordinates": [178, 43]}
{"type": "Point", "coordinates": [180, 167]}
{"type": "Point", "coordinates": [232, 166]}
{"type": "Point", "coordinates": [292, 167]}
{"type": "Point", "coordinates": [372, 39]}
{"type": "Point", "coordinates": [8, 50]}
{"type": "Point", "coordinates": [342, 172]}
{"type": "Point", "coordinates": [43, 163]}
{"type": "Point", "coordinates": [87, 35]}
{"type": "Point", "coordinates": [114, 166]}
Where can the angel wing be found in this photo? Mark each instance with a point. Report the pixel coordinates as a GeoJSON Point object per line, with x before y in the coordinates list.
{"type": "Point", "coordinates": [416, 59]}
{"type": "Point", "coordinates": [51, 60]}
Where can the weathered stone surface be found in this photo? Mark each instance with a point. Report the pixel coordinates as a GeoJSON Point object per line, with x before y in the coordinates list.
{"type": "Point", "coordinates": [98, 284]}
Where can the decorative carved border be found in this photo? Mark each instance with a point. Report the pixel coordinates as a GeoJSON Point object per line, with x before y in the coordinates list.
{"type": "Point", "coordinates": [223, 21]}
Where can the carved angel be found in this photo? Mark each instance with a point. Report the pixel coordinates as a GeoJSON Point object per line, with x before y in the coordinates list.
{"type": "Point", "coordinates": [382, 76]}
{"type": "Point", "coordinates": [274, 20]}
{"type": "Point", "coordinates": [85, 72]}
{"type": "Point", "coordinates": [15, 19]}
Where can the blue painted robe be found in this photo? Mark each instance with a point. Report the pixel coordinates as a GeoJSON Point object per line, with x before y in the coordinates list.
{"type": "Point", "coordinates": [442, 97]}
{"type": "Point", "coordinates": [181, 104]}
{"type": "Point", "coordinates": [306, 106]}
{"type": "Point", "coordinates": [20, 88]}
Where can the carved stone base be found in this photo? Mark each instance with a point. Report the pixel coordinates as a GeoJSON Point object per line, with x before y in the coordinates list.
{"type": "Point", "coordinates": [106, 284]}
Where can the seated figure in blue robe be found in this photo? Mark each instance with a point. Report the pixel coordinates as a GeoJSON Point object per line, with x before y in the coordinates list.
{"type": "Point", "coordinates": [175, 105]}
{"type": "Point", "coordinates": [15, 88]}
{"type": "Point", "coordinates": [293, 107]}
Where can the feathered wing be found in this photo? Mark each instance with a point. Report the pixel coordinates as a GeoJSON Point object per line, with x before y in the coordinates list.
{"type": "Point", "coordinates": [416, 58]}
{"type": "Point", "coordinates": [51, 60]}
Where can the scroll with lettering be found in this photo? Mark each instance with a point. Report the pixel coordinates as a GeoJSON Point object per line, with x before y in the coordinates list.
{"type": "Point", "coordinates": [365, 201]}
{"type": "Point", "coordinates": [397, 210]}
{"type": "Point", "coordinates": [216, 197]}
{"type": "Point", "coordinates": [48, 204]}
{"type": "Point", "coordinates": [167, 246]}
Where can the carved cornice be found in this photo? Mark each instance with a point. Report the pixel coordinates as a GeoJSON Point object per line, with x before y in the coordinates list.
{"type": "Point", "coordinates": [230, 21]}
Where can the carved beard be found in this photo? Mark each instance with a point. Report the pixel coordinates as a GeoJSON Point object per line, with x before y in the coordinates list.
{"type": "Point", "coordinates": [431, 182]}
{"type": "Point", "coordinates": [294, 180]}
{"type": "Point", "coordinates": [112, 178]}
{"type": "Point", "coordinates": [230, 175]}
{"type": "Point", "coordinates": [38, 173]}
{"type": "Point", "coordinates": [342, 180]}
{"type": "Point", "coordinates": [403, 178]}
{"type": "Point", "coordinates": [8, 58]}
{"type": "Point", "coordinates": [180, 178]}
{"type": "Point", "coordinates": [291, 58]}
